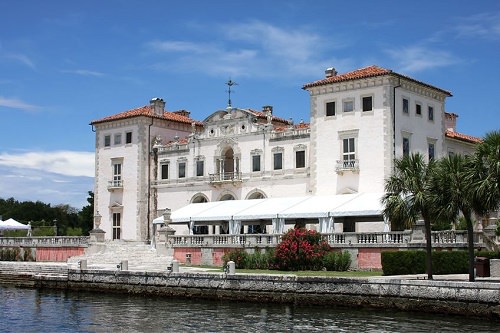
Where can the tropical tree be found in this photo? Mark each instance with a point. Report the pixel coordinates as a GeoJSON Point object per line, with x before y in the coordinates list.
{"type": "Point", "coordinates": [453, 193]}
{"type": "Point", "coordinates": [485, 173]}
{"type": "Point", "coordinates": [407, 197]}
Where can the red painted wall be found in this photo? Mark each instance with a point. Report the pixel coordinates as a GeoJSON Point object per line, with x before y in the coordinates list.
{"type": "Point", "coordinates": [370, 258]}
{"type": "Point", "coordinates": [59, 254]}
{"type": "Point", "coordinates": [196, 255]}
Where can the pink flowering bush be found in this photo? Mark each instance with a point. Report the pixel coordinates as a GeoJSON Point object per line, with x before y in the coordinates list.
{"type": "Point", "coordinates": [301, 249]}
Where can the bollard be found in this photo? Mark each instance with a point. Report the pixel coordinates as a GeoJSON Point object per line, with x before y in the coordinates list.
{"type": "Point", "coordinates": [82, 264]}
{"type": "Point", "coordinates": [123, 265]}
{"type": "Point", "coordinates": [232, 267]}
{"type": "Point", "coordinates": [175, 266]}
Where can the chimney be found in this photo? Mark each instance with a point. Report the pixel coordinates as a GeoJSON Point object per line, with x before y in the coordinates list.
{"type": "Point", "coordinates": [157, 106]}
{"type": "Point", "coordinates": [450, 121]}
{"type": "Point", "coordinates": [184, 113]}
{"type": "Point", "coordinates": [329, 72]}
{"type": "Point", "coordinates": [267, 108]}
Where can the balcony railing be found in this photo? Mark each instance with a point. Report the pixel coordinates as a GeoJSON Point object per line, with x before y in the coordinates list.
{"type": "Point", "coordinates": [115, 184]}
{"type": "Point", "coordinates": [225, 177]}
{"type": "Point", "coordinates": [345, 239]}
{"type": "Point", "coordinates": [347, 165]}
{"type": "Point", "coordinates": [51, 241]}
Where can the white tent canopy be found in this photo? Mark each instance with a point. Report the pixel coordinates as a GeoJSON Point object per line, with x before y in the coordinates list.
{"type": "Point", "coordinates": [225, 211]}
{"type": "Point", "coordinates": [185, 213]}
{"type": "Point", "coordinates": [12, 224]}
{"type": "Point", "coordinates": [357, 204]}
{"type": "Point", "coordinates": [316, 206]}
{"type": "Point", "coordinates": [365, 204]}
{"type": "Point", "coordinates": [268, 208]}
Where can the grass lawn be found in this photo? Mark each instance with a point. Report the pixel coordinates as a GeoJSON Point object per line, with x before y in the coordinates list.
{"type": "Point", "coordinates": [298, 273]}
{"type": "Point", "coordinates": [312, 273]}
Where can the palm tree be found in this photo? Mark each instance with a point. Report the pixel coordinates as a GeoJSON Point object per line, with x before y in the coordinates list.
{"type": "Point", "coordinates": [452, 194]}
{"type": "Point", "coordinates": [407, 197]}
{"type": "Point", "coordinates": [485, 173]}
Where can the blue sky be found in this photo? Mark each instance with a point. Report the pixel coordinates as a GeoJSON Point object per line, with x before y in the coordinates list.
{"type": "Point", "coordinates": [66, 63]}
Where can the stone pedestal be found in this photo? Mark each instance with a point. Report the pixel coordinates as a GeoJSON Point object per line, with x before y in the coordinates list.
{"type": "Point", "coordinates": [97, 235]}
{"type": "Point", "coordinates": [164, 233]}
{"type": "Point", "coordinates": [418, 234]}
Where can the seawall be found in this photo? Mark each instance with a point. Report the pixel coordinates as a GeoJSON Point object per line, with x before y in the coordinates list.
{"type": "Point", "coordinates": [479, 299]}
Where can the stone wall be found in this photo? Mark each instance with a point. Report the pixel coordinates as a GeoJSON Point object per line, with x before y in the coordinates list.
{"type": "Point", "coordinates": [453, 297]}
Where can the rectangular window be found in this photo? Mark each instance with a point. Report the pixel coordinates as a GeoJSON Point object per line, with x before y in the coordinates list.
{"type": "Point", "coordinates": [128, 137]}
{"type": "Point", "coordinates": [182, 169]}
{"type": "Point", "coordinates": [116, 225]}
{"type": "Point", "coordinates": [406, 146]}
{"type": "Point", "coordinates": [278, 161]}
{"type": "Point", "coordinates": [405, 106]}
{"type": "Point", "coordinates": [256, 163]}
{"type": "Point", "coordinates": [431, 152]}
{"type": "Point", "coordinates": [367, 103]}
{"type": "Point", "coordinates": [418, 109]}
{"type": "Point", "coordinates": [118, 139]}
{"type": "Point", "coordinates": [164, 170]}
{"type": "Point", "coordinates": [348, 151]}
{"type": "Point", "coordinates": [117, 174]}
{"type": "Point", "coordinates": [199, 168]}
{"type": "Point", "coordinates": [431, 113]}
{"type": "Point", "coordinates": [330, 109]}
{"type": "Point", "coordinates": [107, 140]}
{"type": "Point", "coordinates": [348, 106]}
{"type": "Point", "coordinates": [300, 159]}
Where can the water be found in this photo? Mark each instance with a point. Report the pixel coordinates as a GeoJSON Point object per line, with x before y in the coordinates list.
{"type": "Point", "coordinates": [31, 310]}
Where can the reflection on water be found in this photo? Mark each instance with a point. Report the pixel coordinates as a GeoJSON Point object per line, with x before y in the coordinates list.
{"type": "Point", "coordinates": [30, 310]}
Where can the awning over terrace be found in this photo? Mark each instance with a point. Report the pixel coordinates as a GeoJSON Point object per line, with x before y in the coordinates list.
{"type": "Point", "coordinates": [324, 208]}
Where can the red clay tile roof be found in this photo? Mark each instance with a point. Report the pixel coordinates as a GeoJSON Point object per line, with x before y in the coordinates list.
{"type": "Point", "coordinates": [262, 115]}
{"type": "Point", "coordinates": [147, 112]}
{"type": "Point", "coordinates": [297, 126]}
{"type": "Point", "coordinates": [366, 72]}
{"type": "Point", "coordinates": [462, 137]}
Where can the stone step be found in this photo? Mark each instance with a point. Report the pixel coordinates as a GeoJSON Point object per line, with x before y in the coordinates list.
{"type": "Point", "coordinates": [138, 255]}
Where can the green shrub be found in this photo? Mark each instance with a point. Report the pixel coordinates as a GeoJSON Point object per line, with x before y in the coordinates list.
{"type": "Point", "coordinates": [487, 254]}
{"type": "Point", "coordinates": [239, 257]}
{"type": "Point", "coordinates": [27, 255]}
{"type": "Point", "coordinates": [413, 262]}
{"type": "Point", "coordinates": [450, 262]}
{"type": "Point", "coordinates": [260, 260]}
{"type": "Point", "coordinates": [403, 262]}
{"type": "Point", "coordinates": [337, 261]}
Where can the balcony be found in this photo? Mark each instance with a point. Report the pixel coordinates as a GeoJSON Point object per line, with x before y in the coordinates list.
{"type": "Point", "coordinates": [347, 165]}
{"type": "Point", "coordinates": [115, 185]}
{"type": "Point", "coordinates": [225, 177]}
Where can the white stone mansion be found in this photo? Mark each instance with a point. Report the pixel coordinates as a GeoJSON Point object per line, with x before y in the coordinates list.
{"type": "Point", "coordinates": [149, 159]}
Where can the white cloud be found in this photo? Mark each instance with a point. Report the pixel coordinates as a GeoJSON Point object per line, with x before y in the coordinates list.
{"type": "Point", "coordinates": [484, 25]}
{"type": "Point", "coordinates": [252, 48]}
{"type": "Point", "coordinates": [67, 163]}
{"type": "Point", "coordinates": [25, 184]}
{"type": "Point", "coordinates": [418, 58]}
{"type": "Point", "coordinates": [14, 103]}
{"type": "Point", "coordinates": [23, 59]}
{"type": "Point", "coordinates": [84, 72]}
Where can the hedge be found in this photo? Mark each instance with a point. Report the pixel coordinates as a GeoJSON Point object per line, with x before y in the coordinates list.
{"type": "Point", "coordinates": [413, 262]}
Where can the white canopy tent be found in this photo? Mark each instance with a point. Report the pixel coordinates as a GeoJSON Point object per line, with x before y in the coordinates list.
{"type": "Point", "coordinates": [277, 210]}
{"type": "Point", "coordinates": [316, 206]}
{"type": "Point", "coordinates": [225, 211]}
{"type": "Point", "coordinates": [12, 224]}
{"type": "Point", "coordinates": [365, 204]}
{"type": "Point", "coordinates": [185, 213]}
{"type": "Point", "coordinates": [268, 209]}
